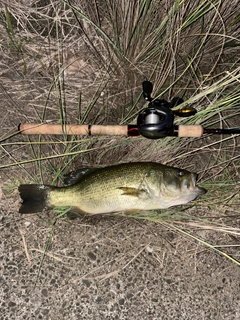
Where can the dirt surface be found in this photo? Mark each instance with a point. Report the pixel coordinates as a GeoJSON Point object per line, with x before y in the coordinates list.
{"type": "Point", "coordinates": [107, 267]}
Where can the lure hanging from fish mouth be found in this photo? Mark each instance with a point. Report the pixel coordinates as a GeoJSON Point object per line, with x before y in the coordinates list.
{"type": "Point", "coordinates": [121, 188]}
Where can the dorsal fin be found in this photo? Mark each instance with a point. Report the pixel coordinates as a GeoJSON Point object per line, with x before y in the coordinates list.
{"type": "Point", "coordinates": [74, 177]}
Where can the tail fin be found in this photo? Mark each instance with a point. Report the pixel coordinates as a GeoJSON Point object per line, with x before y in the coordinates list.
{"type": "Point", "coordinates": [34, 198]}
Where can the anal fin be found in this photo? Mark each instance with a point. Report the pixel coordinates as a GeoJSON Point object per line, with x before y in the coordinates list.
{"type": "Point", "coordinates": [129, 212]}
{"type": "Point", "coordinates": [75, 213]}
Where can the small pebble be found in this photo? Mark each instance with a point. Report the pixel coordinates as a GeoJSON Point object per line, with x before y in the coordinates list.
{"type": "Point", "coordinates": [27, 224]}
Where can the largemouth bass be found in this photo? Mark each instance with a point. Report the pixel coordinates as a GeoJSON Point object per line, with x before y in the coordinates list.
{"type": "Point", "coordinates": [129, 187]}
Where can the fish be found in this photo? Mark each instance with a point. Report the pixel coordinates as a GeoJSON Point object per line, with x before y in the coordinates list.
{"type": "Point", "coordinates": [127, 187]}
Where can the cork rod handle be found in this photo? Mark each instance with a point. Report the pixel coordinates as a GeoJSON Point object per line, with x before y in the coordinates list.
{"type": "Point", "coordinates": [190, 131]}
{"type": "Point", "coordinates": [38, 128]}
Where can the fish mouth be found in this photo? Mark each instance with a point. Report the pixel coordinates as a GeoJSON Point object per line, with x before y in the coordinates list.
{"type": "Point", "coordinates": [193, 178]}
{"type": "Point", "coordinates": [199, 190]}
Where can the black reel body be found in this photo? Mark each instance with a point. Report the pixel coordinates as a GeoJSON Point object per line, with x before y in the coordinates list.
{"type": "Point", "coordinates": [157, 120]}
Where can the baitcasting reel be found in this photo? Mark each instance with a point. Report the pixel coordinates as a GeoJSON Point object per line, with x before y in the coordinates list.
{"type": "Point", "coordinates": [157, 119]}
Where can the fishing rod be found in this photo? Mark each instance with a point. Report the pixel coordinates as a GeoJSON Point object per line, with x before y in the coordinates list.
{"type": "Point", "coordinates": [154, 122]}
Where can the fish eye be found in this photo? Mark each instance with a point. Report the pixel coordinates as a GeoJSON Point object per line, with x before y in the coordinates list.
{"type": "Point", "coordinates": [180, 173]}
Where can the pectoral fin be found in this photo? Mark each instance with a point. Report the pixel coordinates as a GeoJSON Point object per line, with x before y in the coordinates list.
{"type": "Point", "coordinates": [133, 192]}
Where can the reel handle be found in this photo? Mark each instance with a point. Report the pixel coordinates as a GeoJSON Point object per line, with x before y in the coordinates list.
{"type": "Point", "coordinates": [147, 90]}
